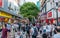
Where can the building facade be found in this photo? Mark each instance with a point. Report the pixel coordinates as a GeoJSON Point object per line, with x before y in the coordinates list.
{"type": "Point", "coordinates": [9, 9]}
{"type": "Point", "coordinates": [22, 2]}
{"type": "Point", "coordinates": [48, 8]}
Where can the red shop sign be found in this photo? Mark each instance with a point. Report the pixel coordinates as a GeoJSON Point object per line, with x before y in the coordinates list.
{"type": "Point", "coordinates": [1, 3]}
{"type": "Point", "coordinates": [49, 14]}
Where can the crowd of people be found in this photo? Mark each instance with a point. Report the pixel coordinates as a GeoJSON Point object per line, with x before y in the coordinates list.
{"type": "Point", "coordinates": [47, 30]}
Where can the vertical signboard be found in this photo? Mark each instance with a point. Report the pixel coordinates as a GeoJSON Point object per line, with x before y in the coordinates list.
{"type": "Point", "coordinates": [1, 3]}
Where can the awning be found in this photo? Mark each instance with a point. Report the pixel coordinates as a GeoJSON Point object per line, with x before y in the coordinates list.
{"type": "Point", "coordinates": [10, 12]}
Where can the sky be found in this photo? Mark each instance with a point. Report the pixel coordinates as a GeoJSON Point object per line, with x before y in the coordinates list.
{"type": "Point", "coordinates": [32, 1]}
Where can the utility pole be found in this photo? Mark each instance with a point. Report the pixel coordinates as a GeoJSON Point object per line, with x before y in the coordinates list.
{"type": "Point", "coordinates": [56, 1]}
{"type": "Point", "coordinates": [57, 12]}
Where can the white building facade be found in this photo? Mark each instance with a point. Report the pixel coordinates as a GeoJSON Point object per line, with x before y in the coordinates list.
{"type": "Point", "coordinates": [49, 9]}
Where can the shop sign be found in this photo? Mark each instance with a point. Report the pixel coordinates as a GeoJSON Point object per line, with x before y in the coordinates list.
{"type": "Point", "coordinates": [49, 15]}
{"type": "Point", "coordinates": [1, 3]}
{"type": "Point", "coordinates": [5, 15]}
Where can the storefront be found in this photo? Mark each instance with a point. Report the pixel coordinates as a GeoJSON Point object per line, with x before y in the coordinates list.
{"type": "Point", "coordinates": [5, 16]}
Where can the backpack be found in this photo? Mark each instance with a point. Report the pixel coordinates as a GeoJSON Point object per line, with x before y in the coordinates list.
{"type": "Point", "coordinates": [19, 26]}
{"type": "Point", "coordinates": [35, 32]}
{"type": "Point", "coordinates": [44, 30]}
{"type": "Point", "coordinates": [27, 28]}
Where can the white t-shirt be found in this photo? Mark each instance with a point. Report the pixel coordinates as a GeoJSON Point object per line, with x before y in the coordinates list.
{"type": "Point", "coordinates": [17, 36]}
{"type": "Point", "coordinates": [23, 25]}
{"type": "Point", "coordinates": [8, 26]}
{"type": "Point", "coordinates": [53, 27]}
{"type": "Point", "coordinates": [32, 31]}
{"type": "Point", "coordinates": [48, 28]}
{"type": "Point", "coordinates": [16, 25]}
{"type": "Point", "coordinates": [44, 29]}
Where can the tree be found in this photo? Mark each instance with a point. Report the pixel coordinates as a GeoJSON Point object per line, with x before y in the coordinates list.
{"type": "Point", "coordinates": [29, 10]}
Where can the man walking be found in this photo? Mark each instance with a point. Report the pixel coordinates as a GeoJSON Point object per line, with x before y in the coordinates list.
{"type": "Point", "coordinates": [58, 32]}
{"type": "Point", "coordinates": [34, 31]}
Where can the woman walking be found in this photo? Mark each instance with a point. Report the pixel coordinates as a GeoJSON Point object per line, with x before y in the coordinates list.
{"type": "Point", "coordinates": [4, 31]}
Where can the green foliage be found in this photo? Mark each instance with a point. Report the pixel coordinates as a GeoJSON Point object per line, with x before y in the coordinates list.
{"type": "Point", "coordinates": [29, 9]}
